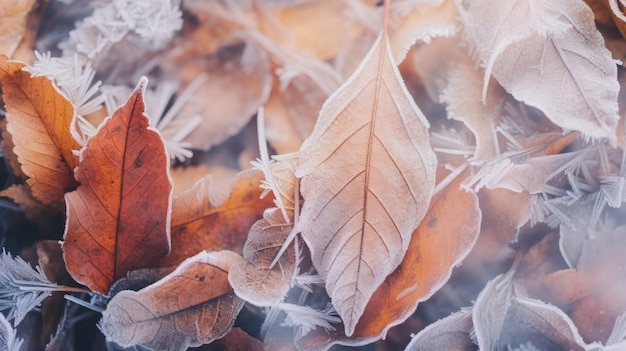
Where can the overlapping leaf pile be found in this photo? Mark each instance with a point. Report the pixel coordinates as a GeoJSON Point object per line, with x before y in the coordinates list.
{"type": "Point", "coordinates": [409, 138]}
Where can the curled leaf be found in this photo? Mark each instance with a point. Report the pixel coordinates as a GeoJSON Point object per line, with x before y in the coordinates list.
{"type": "Point", "coordinates": [191, 306]}
{"type": "Point", "coordinates": [255, 280]}
{"type": "Point", "coordinates": [450, 333]}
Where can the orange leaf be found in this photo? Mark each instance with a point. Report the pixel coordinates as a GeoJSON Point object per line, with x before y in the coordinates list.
{"type": "Point", "coordinates": [191, 306]}
{"type": "Point", "coordinates": [118, 218]}
{"type": "Point", "coordinates": [201, 222]}
{"type": "Point", "coordinates": [445, 236]}
{"type": "Point", "coordinates": [39, 120]}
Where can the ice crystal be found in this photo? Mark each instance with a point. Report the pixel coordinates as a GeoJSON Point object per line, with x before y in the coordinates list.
{"type": "Point", "coordinates": [306, 318]}
{"type": "Point", "coordinates": [8, 341]}
{"type": "Point", "coordinates": [153, 22]}
{"type": "Point", "coordinates": [22, 288]}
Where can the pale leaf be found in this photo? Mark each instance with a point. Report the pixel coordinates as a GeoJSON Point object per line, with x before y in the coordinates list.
{"type": "Point", "coordinates": [367, 175]}
{"type": "Point", "coordinates": [255, 280]}
{"type": "Point", "coordinates": [450, 333]}
{"type": "Point", "coordinates": [191, 306]}
{"type": "Point", "coordinates": [551, 56]}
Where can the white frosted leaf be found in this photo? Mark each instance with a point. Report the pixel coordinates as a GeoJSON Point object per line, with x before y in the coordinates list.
{"type": "Point", "coordinates": [367, 172]}
{"type": "Point", "coordinates": [490, 310]}
{"type": "Point", "coordinates": [549, 55]}
{"type": "Point", "coordinates": [450, 333]}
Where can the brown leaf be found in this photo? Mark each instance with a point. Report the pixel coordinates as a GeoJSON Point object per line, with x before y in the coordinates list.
{"type": "Point", "coordinates": [39, 120]}
{"type": "Point", "coordinates": [254, 281]}
{"type": "Point", "coordinates": [118, 218]}
{"type": "Point", "coordinates": [370, 137]}
{"type": "Point", "coordinates": [422, 272]}
{"type": "Point", "coordinates": [13, 17]}
{"type": "Point", "coordinates": [235, 340]}
{"type": "Point", "coordinates": [193, 305]}
{"type": "Point", "coordinates": [202, 222]}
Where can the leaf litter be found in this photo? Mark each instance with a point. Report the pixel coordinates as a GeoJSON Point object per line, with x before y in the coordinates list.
{"type": "Point", "coordinates": [449, 169]}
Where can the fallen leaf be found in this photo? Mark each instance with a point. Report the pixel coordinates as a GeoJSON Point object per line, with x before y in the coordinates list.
{"type": "Point", "coordinates": [422, 272]}
{"type": "Point", "coordinates": [235, 340]}
{"type": "Point", "coordinates": [13, 16]}
{"type": "Point", "coordinates": [317, 28]}
{"type": "Point", "coordinates": [113, 226]}
{"type": "Point", "coordinates": [420, 21]}
{"type": "Point", "coordinates": [290, 113]}
{"type": "Point", "coordinates": [591, 292]}
{"type": "Point", "coordinates": [450, 333]}
{"type": "Point", "coordinates": [201, 221]}
{"type": "Point", "coordinates": [239, 82]}
{"type": "Point", "coordinates": [255, 280]}
{"type": "Point", "coordinates": [193, 305]}
{"type": "Point", "coordinates": [39, 120]}
{"type": "Point", "coordinates": [370, 135]}
{"type": "Point", "coordinates": [463, 103]}
{"type": "Point", "coordinates": [450, 77]}
{"type": "Point", "coordinates": [551, 56]}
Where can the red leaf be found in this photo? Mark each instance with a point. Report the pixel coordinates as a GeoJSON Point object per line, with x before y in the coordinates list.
{"type": "Point", "coordinates": [118, 219]}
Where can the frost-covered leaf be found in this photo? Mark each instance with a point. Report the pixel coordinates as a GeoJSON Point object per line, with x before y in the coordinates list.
{"type": "Point", "coordinates": [370, 136]}
{"type": "Point", "coordinates": [463, 103]}
{"type": "Point", "coordinates": [595, 284]}
{"type": "Point", "coordinates": [239, 82]}
{"type": "Point", "coordinates": [551, 56]}
{"type": "Point", "coordinates": [118, 219]}
{"type": "Point", "coordinates": [452, 234]}
{"type": "Point", "coordinates": [503, 317]}
{"type": "Point", "coordinates": [490, 311]}
{"type": "Point", "coordinates": [450, 333]}
{"type": "Point", "coordinates": [206, 218]}
{"type": "Point", "coordinates": [546, 325]}
{"type": "Point", "coordinates": [420, 20]}
{"type": "Point", "coordinates": [256, 280]}
{"type": "Point", "coordinates": [191, 306]}
{"type": "Point", "coordinates": [39, 120]}
{"type": "Point", "coordinates": [22, 288]}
